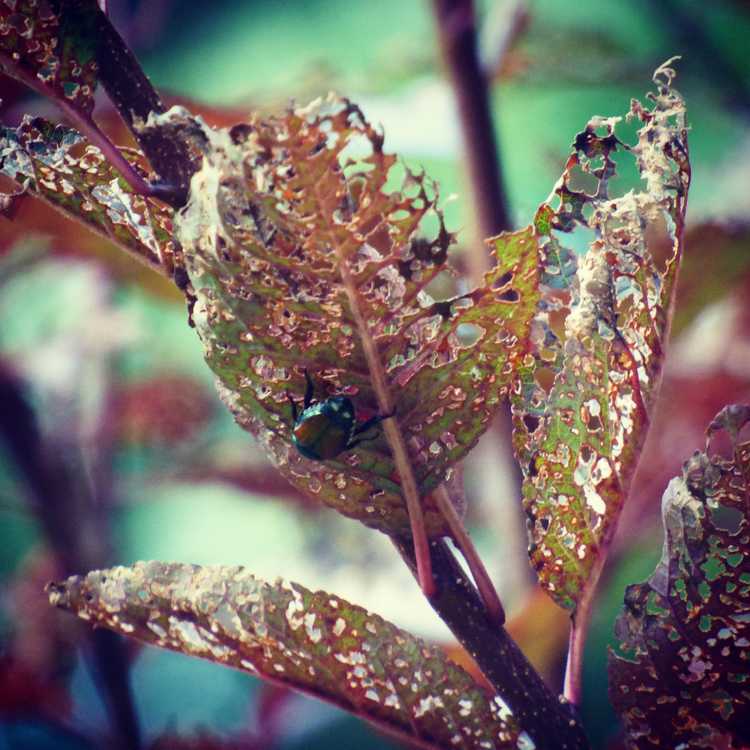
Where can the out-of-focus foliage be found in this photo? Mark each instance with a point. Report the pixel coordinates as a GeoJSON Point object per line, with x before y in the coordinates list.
{"type": "Point", "coordinates": [685, 631]}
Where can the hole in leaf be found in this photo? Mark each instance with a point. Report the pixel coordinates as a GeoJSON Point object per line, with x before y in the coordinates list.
{"type": "Point", "coordinates": [470, 333]}
{"type": "Point", "coordinates": [511, 295]}
{"type": "Point", "coordinates": [627, 177]}
{"type": "Point", "coordinates": [506, 278]}
{"type": "Point", "coordinates": [727, 518]}
{"type": "Point", "coordinates": [658, 236]}
{"type": "Point", "coordinates": [581, 181]}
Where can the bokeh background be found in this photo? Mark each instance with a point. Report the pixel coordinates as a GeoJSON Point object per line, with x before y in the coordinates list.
{"type": "Point", "coordinates": [116, 448]}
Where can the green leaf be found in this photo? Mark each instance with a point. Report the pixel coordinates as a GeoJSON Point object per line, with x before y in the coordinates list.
{"type": "Point", "coordinates": [51, 51]}
{"type": "Point", "coordinates": [685, 633]}
{"type": "Point", "coordinates": [584, 394]}
{"type": "Point", "coordinates": [311, 641]}
{"type": "Point", "coordinates": [302, 256]}
{"type": "Point", "coordinates": [58, 165]}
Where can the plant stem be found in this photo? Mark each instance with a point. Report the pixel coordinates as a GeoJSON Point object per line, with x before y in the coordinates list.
{"type": "Point", "coordinates": [549, 720]}
{"type": "Point", "coordinates": [579, 627]}
{"type": "Point", "coordinates": [457, 33]}
{"type": "Point", "coordinates": [135, 98]}
{"type": "Point", "coordinates": [482, 579]}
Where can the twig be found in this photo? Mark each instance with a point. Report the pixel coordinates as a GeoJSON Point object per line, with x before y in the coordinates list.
{"type": "Point", "coordinates": [135, 98]}
{"type": "Point", "coordinates": [579, 627]}
{"type": "Point", "coordinates": [549, 720]}
{"type": "Point", "coordinates": [482, 579]}
{"type": "Point", "coordinates": [456, 26]}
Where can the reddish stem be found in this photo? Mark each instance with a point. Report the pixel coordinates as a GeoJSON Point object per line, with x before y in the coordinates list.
{"type": "Point", "coordinates": [457, 33]}
{"type": "Point", "coordinates": [579, 626]}
{"type": "Point", "coordinates": [82, 122]}
{"type": "Point", "coordinates": [462, 539]}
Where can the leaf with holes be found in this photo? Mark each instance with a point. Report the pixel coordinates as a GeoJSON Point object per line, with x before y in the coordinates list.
{"type": "Point", "coordinates": [583, 398]}
{"type": "Point", "coordinates": [311, 641]}
{"type": "Point", "coordinates": [685, 633]}
{"type": "Point", "coordinates": [51, 51]}
{"type": "Point", "coordinates": [303, 256]}
{"type": "Point", "coordinates": [58, 165]}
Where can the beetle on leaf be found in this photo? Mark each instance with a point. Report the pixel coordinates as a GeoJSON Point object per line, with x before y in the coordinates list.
{"type": "Point", "coordinates": [323, 429]}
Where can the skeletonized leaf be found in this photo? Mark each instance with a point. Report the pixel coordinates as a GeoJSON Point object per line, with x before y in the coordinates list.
{"type": "Point", "coordinates": [584, 393]}
{"type": "Point", "coordinates": [310, 641]}
{"type": "Point", "coordinates": [50, 51]}
{"type": "Point", "coordinates": [58, 165]}
{"type": "Point", "coordinates": [301, 256]}
{"type": "Point", "coordinates": [686, 631]}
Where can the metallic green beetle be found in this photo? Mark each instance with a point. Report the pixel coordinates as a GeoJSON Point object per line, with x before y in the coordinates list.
{"type": "Point", "coordinates": [323, 429]}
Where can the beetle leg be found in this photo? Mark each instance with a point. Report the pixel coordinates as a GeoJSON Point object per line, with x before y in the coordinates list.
{"type": "Point", "coordinates": [294, 408]}
{"type": "Point", "coordinates": [309, 390]}
{"type": "Point", "coordinates": [364, 427]}
{"type": "Point", "coordinates": [371, 422]}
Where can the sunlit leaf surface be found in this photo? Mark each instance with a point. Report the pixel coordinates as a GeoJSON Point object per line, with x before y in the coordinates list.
{"type": "Point", "coordinates": [311, 641]}
{"type": "Point", "coordinates": [58, 165]}
{"type": "Point", "coordinates": [302, 253]}
{"type": "Point", "coordinates": [685, 632]}
{"type": "Point", "coordinates": [584, 395]}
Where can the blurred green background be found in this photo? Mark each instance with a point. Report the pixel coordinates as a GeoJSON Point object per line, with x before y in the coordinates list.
{"type": "Point", "coordinates": [116, 377]}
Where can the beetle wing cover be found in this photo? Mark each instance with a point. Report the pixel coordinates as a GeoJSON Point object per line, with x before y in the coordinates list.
{"type": "Point", "coordinates": [321, 436]}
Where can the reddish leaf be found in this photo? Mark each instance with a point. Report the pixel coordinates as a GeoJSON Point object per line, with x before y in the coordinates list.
{"type": "Point", "coordinates": [311, 641]}
{"type": "Point", "coordinates": [50, 51]}
{"type": "Point", "coordinates": [56, 164]}
{"type": "Point", "coordinates": [686, 631]}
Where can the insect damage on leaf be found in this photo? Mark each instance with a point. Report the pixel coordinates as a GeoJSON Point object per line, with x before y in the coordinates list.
{"type": "Point", "coordinates": [685, 633]}
{"type": "Point", "coordinates": [583, 396]}
{"type": "Point", "coordinates": [50, 51]}
{"type": "Point", "coordinates": [58, 165]}
{"type": "Point", "coordinates": [292, 223]}
{"type": "Point", "coordinates": [311, 641]}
